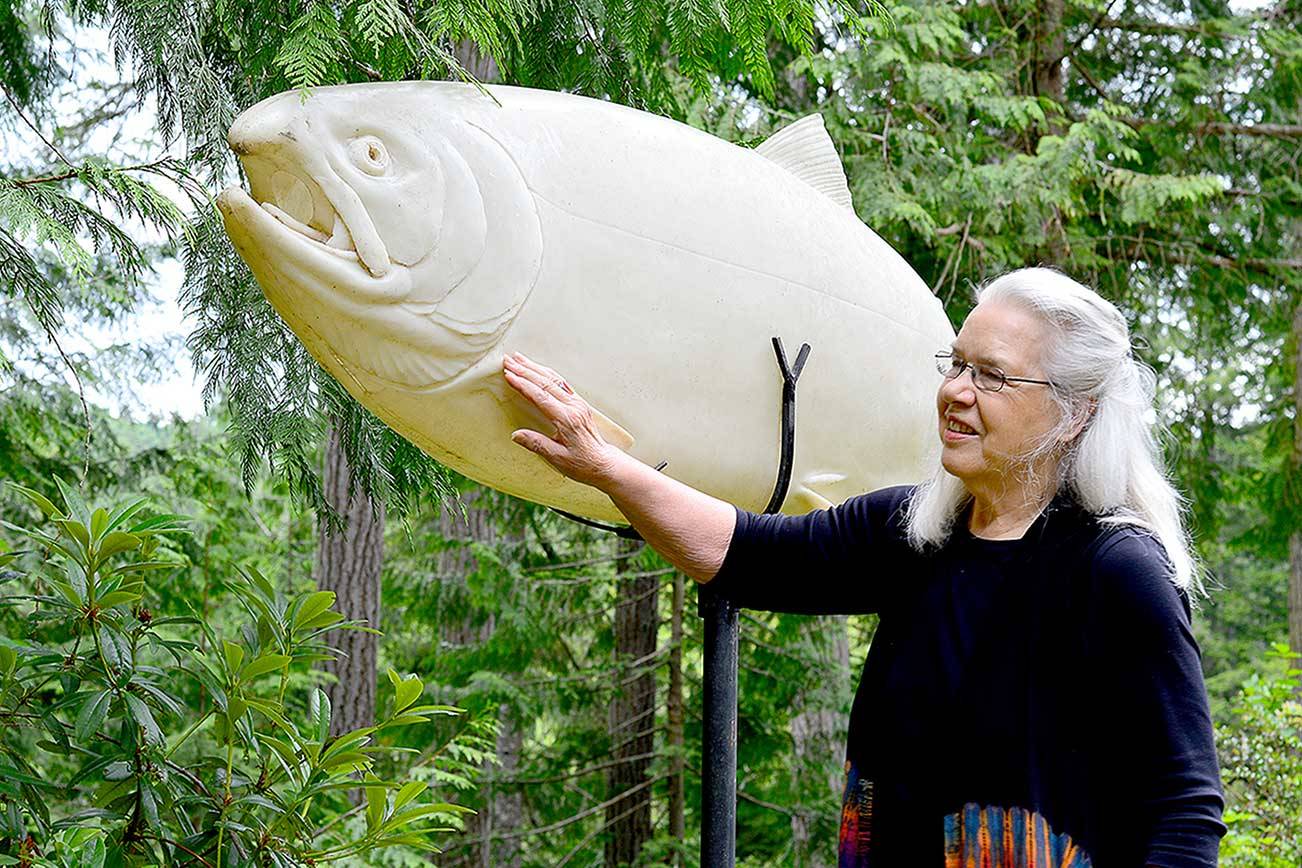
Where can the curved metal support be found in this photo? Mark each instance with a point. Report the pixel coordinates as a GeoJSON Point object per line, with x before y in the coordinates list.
{"type": "Point", "coordinates": [789, 377]}
{"type": "Point", "coordinates": [617, 530]}
{"type": "Point", "coordinates": [719, 723]}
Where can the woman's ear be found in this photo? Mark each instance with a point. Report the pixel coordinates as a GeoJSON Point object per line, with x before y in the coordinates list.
{"type": "Point", "coordinates": [1083, 415]}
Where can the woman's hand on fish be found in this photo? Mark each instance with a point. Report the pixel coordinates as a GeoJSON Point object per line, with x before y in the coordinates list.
{"type": "Point", "coordinates": [689, 528]}
{"type": "Point", "coordinates": [577, 448]}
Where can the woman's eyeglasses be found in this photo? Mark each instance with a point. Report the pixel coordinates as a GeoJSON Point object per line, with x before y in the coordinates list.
{"type": "Point", "coordinates": [985, 378]}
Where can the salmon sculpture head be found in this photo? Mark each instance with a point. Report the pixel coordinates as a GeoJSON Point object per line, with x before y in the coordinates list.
{"type": "Point", "coordinates": [412, 233]}
{"type": "Point", "coordinates": [369, 227]}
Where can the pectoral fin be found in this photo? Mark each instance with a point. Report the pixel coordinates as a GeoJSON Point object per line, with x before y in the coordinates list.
{"type": "Point", "coordinates": [612, 432]}
{"type": "Point", "coordinates": [810, 493]}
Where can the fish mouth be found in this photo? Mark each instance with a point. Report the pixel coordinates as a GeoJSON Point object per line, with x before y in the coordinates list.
{"type": "Point", "coordinates": [311, 200]}
{"type": "Point", "coordinates": [284, 232]}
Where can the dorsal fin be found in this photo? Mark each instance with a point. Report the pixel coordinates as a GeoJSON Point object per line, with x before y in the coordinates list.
{"type": "Point", "coordinates": [805, 150]}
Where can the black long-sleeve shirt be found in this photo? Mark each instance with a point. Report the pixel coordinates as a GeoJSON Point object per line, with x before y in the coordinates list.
{"type": "Point", "coordinates": [1031, 702]}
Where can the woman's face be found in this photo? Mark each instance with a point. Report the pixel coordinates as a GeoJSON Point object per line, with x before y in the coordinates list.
{"type": "Point", "coordinates": [1009, 423]}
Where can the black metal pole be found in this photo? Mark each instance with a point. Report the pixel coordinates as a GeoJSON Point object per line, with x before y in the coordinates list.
{"type": "Point", "coordinates": [719, 733]}
{"type": "Point", "coordinates": [719, 736]}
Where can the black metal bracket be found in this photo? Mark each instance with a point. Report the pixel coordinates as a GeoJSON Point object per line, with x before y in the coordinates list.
{"type": "Point", "coordinates": [790, 374]}
{"type": "Point", "coordinates": [617, 530]}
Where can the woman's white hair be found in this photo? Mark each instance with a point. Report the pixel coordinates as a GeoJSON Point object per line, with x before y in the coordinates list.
{"type": "Point", "coordinates": [1113, 466]}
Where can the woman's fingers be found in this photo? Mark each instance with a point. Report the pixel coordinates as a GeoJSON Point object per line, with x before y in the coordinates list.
{"type": "Point", "coordinates": [576, 448]}
{"type": "Point", "coordinates": [535, 442]}
{"type": "Point", "coordinates": [544, 376]}
{"type": "Point", "coordinates": [535, 393]}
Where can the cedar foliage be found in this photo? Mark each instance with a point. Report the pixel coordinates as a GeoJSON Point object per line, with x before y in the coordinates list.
{"type": "Point", "coordinates": [1164, 173]}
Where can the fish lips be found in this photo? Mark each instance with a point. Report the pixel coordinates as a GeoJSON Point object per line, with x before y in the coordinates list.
{"type": "Point", "coordinates": [275, 252]}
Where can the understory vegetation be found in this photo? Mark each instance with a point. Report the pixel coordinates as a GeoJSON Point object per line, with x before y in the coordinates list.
{"type": "Point", "coordinates": [194, 672]}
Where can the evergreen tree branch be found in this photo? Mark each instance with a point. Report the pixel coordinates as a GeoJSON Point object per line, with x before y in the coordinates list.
{"type": "Point", "coordinates": [75, 171]}
{"type": "Point", "coordinates": [23, 117]}
{"type": "Point", "coordinates": [1267, 130]}
{"type": "Point", "coordinates": [1272, 131]}
{"type": "Point", "coordinates": [76, 376]}
{"type": "Point", "coordinates": [1165, 28]}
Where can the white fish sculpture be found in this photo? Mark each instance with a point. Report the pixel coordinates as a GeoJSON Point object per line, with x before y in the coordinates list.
{"type": "Point", "coordinates": [413, 233]}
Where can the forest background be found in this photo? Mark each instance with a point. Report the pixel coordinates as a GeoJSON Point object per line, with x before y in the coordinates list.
{"type": "Point", "coordinates": [545, 675]}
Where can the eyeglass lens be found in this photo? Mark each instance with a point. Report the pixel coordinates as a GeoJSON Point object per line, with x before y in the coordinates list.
{"type": "Point", "coordinates": [987, 379]}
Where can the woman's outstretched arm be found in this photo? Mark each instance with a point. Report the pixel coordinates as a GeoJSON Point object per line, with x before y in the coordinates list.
{"type": "Point", "coordinates": [691, 529]}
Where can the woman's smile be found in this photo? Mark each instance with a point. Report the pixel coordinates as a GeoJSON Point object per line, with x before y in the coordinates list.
{"type": "Point", "coordinates": [955, 431]}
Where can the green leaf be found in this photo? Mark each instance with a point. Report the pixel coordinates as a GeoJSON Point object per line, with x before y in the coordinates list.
{"type": "Point", "coordinates": [375, 805]}
{"type": "Point", "coordinates": [117, 598]}
{"type": "Point", "coordinates": [409, 791]}
{"type": "Point", "coordinates": [287, 753]}
{"type": "Point", "coordinates": [8, 659]}
{"type": "Point", "coordinates": [92, 715]}
{"type": "Point", "coordinates": [77, 531]}
{"type": "Point", "coordinates": [260, 582]}
{"type": "Point", "coordinates": [312, 605]}
{"type": "Point", "coordinates": [158, 524]}
{"type": "Point", "coordinates": [72, 498]}
{"type": "Point", "coordinates": [450, 710]}
{"type": "Point", "coordinates": [356, 760]}
{"type": "Point", "coordinates": [116, 543]}
{"type": "Point", "coordinates": [98, 521]}
{"type": "Point", "coordinates": [116, 771]}
{"type": "Point", "coordinates": [264, 664]}
{"type": "Point", "coordinates": [318, 709]}
{"type": "Point", "coordinates": [234, 656]}
{"type": "Point", "coordinates": [325, 619]}
{"type": "Point", "coordinates": [69, 593]}
{"type": "Point", "coordinates": [236, 708]}
{"type": "Point", "coordinates": [405, 720]}
{"type": "Point", "coordinates": [406, 691]}
{"type": "Point", "coordinates": [143, 716]}
{"type": "Point", "coordinates": [117, 651]}
{"type": "Point", "coordinates": [43, 503]}
{"type": "Point", "coordinates": [348, 741]}
{"type": "Point", "coordinates": [124, 513]}
{"type": "Point", "coordinates": [400, 819]}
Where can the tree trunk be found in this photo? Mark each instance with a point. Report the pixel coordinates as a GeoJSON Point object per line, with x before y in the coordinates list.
{"type": "Point", "coordinates": [1049, 50]}
{"type": "Point", "coordinates": [1047, 81]}
{"type": "Point", "coordinates": [677, 782]}
{"type": "Point", "coordinates": [504, 813]}
{"type": "Point", "coordinates": [348, 563]}
{"type": "Point", "coordinates": [632, 711]}
{"type": "Point", "coordinates": [501, 813]}
{"type": "Point", "coordinates": [818, 732]}
{"type": "Point", "coordinates": [474, 61]}
{"type": "Point", "coordinates": [1295, 540]}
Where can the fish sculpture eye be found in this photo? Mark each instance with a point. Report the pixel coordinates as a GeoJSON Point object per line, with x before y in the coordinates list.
{"type": "Point", "coordinates": [369, 154]}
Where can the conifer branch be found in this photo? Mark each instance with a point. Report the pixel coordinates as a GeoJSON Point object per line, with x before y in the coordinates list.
{"type": "Point", "coordinates": [23, 117]}
{"type": "Point", "coordinates": [76, 377]}
{"type": "Point", "coordinates": [1266, 130]}
{"type": "Point", "coordinates": [152, 166]}
{"type": "Point", "coordinates": [1273, 131]}
{"type": "Point", "coordinates": [1165, 28]}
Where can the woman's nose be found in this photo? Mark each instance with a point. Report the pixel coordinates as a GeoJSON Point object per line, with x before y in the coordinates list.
{"type": "Point", "coordinates": [960, 389]}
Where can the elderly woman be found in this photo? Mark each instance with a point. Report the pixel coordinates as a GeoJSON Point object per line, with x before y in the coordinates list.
{"type": "Point", "coordinates": [1033, 694]}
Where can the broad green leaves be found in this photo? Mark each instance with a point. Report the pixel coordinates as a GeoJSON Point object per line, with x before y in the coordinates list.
{"type": "Point", "coordinates": [221, 748]}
